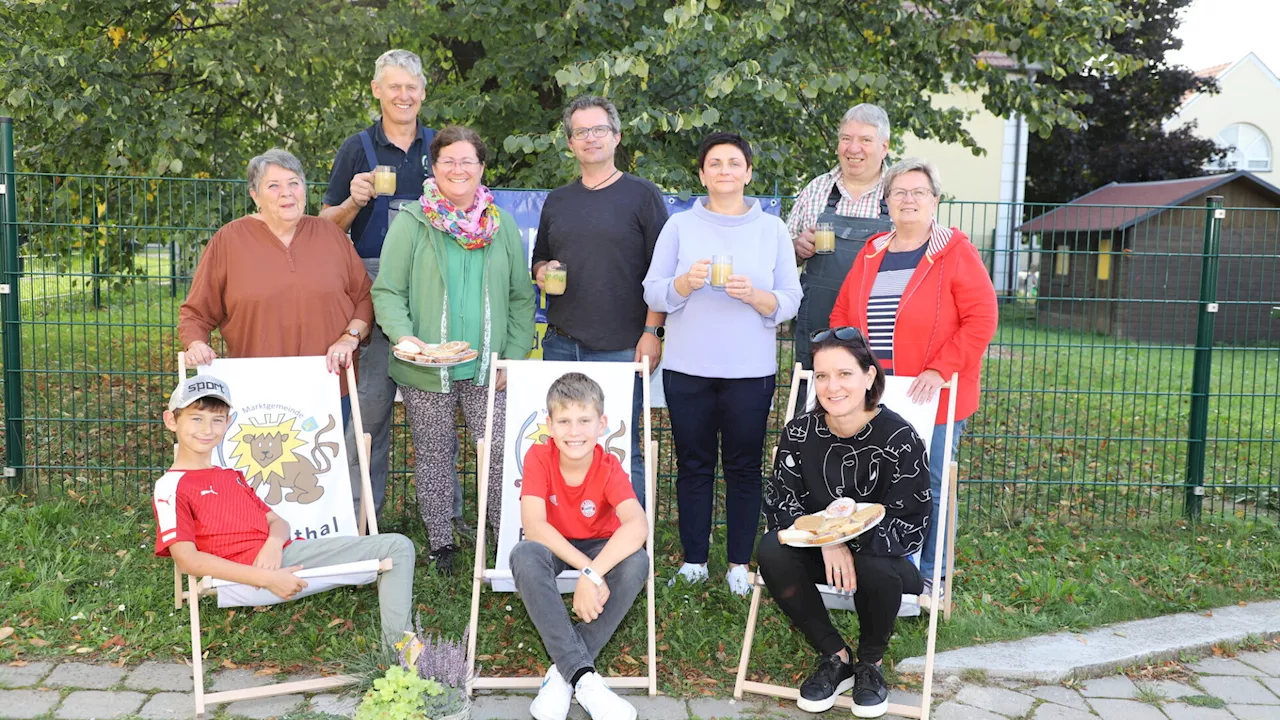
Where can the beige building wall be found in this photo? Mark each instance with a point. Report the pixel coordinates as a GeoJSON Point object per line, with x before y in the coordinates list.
{"type": "Point", "coordinates": [1248, 93]}
{"type": "Point", "coordinates": [964, 175]}
{"type": "Point", "coordinates": [982, 193]}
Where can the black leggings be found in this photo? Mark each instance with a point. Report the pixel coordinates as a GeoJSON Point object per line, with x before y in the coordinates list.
{"type": "Point", "coordinates": [791, 575]}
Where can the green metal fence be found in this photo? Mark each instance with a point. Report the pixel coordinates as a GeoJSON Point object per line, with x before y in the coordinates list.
{"type": "Point", "coordinates": [1111, 391]}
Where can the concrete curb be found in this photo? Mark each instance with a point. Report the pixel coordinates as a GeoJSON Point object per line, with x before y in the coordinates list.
{"type": "Point", "coordinates": [1062, 656]}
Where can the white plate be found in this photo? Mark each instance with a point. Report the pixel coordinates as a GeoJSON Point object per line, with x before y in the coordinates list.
{"type": "Point", "coordinates": [419, 363]}
{"type": "Point", "coordinates": [844, 539]}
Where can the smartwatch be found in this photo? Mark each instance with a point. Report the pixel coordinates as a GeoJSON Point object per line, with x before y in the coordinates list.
{"type": "Point", "coordinates": [656, 330]}
{"type": "Point", "coordinates": [592, 575]}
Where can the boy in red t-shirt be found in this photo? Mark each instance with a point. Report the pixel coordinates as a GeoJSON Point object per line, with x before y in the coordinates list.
{"type": "Point", "coordinates": [578, 511]}
{"type": "Point", "coordinates": [212, 523]}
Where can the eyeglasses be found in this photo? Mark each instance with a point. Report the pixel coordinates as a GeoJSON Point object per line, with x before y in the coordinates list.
{"type": "Point", "coordinates": [917, 194]}
{"type": "Point", "coordinates": [450, 163]}
{"type": "Point", "coordinates": [598, 131]}
{"type": "Point", "coordinates": [846, 333]}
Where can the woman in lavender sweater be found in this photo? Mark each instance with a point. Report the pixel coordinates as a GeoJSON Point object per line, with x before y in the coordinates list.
{"type": "Point", "coordinates": [720, 357]}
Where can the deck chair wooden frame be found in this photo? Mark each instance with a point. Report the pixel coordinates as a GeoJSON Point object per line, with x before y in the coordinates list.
{"type": "Point", "coordinates": [482, 575]}
{"type": "Point", "coordinates": [947, 513]}
{"type": "Point", "coordinates": [203, 587]}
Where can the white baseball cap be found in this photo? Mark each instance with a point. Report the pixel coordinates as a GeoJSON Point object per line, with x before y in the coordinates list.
{"type": "Point", "coordinates": [196, 387]}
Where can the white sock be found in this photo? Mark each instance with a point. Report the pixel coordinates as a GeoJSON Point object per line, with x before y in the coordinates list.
{"type": "Point", "coordinates": [691, 572]}
{"type": "Point", "coordinates": [739, 583]}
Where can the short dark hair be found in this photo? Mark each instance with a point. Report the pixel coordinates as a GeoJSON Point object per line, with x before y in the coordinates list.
{"type": "Point", "coordinates": [575, 388]}
{"type": "Point", "coordinates": [860, 349]}
{"type": "Point", "coordinates": [586, 102]}
{"type": "Point", "coordinates": [723, 138]}
{"type": "Point", "coordinates": [455, 134]}
{"type": "Point", "coordinates": [211, 404]}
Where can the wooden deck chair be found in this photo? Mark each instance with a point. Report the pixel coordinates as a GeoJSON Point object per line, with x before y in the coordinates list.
{"type": "Point", "coordinates": [527, 385]}
{"type": "Point", "coordinates": [235, 595]}
{"type": "Point", "coordinates": [946, 513]}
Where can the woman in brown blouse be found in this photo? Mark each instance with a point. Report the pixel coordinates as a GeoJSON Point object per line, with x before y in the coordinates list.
{"type": "Point", "coordinates": [278, 282]}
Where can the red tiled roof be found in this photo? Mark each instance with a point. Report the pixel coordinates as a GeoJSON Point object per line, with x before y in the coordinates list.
{"type": "Point", "coordinates": [1209, 72]}
{"type": "Point", "coordinates": [1121, 205]}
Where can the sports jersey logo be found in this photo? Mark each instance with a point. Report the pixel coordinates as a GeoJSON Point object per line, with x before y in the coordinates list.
{"type": "Point", "coordinates": [588, 508]}
{"type": "Point", "coordinates": [553, 500]}
{"type": "Point", "coordinates": [210, 491]}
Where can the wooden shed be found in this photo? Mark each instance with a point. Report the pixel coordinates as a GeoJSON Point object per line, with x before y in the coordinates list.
{"type": "Point", "coordinates": [1125, 260]}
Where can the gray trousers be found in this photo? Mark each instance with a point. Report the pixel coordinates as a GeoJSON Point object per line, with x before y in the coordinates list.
{"type": "Point", "coordinates": [395, 587]}
{"type": "Point", "coordinates": [377, 393]}
{"type": "Point", "coordinates": [573, 646]}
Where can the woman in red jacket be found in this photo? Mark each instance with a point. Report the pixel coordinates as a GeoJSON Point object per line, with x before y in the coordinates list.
{"type": "Point", "coordinates": [922, 295]}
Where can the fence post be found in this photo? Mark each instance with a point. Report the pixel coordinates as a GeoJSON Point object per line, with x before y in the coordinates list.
{"type": "Point", "coordinates": [1199, 426]}
{"type": "Point", "coordinates": [10, 314]}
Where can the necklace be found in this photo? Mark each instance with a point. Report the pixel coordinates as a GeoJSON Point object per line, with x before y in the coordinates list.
{"type": "Point", "coordinates": [602, 182]}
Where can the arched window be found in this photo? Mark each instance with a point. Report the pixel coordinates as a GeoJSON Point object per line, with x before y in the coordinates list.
{"type": "Point", "coordinates": [1247, 148]}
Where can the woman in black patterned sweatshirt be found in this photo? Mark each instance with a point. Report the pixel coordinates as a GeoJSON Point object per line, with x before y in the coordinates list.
{"type": "Point", "coordinates": [849, 446]}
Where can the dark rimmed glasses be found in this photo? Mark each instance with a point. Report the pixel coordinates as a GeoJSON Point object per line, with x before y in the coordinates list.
{"type": "Point", "coordinates": [847, 333]}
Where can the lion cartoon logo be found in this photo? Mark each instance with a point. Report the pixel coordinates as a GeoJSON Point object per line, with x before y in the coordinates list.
{"type": "Point", "coordinates": [274, 453]}
{"type": "Point", "coordinates": [534, 431]}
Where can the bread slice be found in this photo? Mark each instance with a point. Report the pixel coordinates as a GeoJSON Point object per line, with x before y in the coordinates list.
{"type": "Point", "coordinates": [812, 523]}
{"type": "Point", "coordinates": [792, 535]}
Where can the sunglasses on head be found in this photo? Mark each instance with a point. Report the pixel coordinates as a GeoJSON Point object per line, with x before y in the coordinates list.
{"type": "Point", "coordinates": [846, 333]}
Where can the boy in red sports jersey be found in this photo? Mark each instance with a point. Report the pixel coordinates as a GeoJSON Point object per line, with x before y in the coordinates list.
{"type": "Point", "coordinates": [212, 523]}
{"type": "Point", "coordinates": [578, 510]}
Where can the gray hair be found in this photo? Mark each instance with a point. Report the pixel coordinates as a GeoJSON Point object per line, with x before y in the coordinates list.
{"type": "Point", "coordinates": [576, 389]}
{"type": "Point", "coordinates": [403, 59]}
{"type": "Point", "coordinates": [275, 156]}
{"type": "Point", "coordinates": [868, 114]}
{"type": "Point", "coordinates": [584, 102]}
{"type": "Point", "coordinates": [903, 167]}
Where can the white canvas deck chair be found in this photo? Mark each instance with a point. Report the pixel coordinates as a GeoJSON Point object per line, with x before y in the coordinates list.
{"type": "Point", "coordinates": [527, 385]}
{"type": "Point", "coordinates": [922, 418]}
{"type": "Point", "coordinates": [342, 522]}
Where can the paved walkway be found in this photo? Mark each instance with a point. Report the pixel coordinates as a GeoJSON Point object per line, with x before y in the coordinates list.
{"type": "Point", "coordinates": [1243, 687]}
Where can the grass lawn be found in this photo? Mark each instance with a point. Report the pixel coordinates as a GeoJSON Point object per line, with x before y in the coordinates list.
{"type": "Point", "coordinates": [79, 580]}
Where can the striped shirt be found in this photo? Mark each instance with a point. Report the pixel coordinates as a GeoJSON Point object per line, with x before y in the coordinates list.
{"type": "Point", "coordinates": [891, 281]}
{"type": "Point", "coordinates": [812, 201]}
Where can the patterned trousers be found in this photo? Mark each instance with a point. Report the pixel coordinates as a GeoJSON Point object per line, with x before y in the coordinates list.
{"type": "Point", "coordinates": [431, 418]}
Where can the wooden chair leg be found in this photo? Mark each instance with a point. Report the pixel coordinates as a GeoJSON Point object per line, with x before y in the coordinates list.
{"type": "Point", "coordinates": [197, 662]}
{"type": "Point", "coordinates": [953, 514]}
{"type": "Point", "coordinates": [744, 659]}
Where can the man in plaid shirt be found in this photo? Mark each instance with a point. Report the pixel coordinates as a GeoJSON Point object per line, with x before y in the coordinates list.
{"type": "Point", "coordinates": [851, 198]}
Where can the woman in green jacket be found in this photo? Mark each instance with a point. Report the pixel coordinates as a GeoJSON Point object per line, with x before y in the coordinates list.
{"type": "Point", "coordinates": [453, 268]}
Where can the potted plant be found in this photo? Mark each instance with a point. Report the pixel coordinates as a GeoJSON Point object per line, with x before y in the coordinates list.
{"type": "Point", "coordinates": [427, 682]}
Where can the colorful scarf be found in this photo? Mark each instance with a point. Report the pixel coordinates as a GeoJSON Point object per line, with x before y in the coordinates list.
{"type": "Point", "coordinates": [472, 229]}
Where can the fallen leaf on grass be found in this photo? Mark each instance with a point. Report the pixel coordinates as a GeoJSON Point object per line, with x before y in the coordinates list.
{"type": "Point", "coordinates": [38, 642]}
{"type": "Point", "coordinates": [334, 622]}
{"type": "Point", "coordinates": [5, 632]}
{"type": "Point", "coordinates": [83, 650]}
{"type": "Point", "coordinates": [268, 670]}
{"type": "Point", "coordinates": [18, 663]}
{"type": "Point", "coordinates": [226, 663]}
{"type": "Point", "coordinates": [115, 641]}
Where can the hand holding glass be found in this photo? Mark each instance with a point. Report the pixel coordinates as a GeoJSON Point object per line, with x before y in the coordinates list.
{"type": "Point", "coordinates": [554, 279]}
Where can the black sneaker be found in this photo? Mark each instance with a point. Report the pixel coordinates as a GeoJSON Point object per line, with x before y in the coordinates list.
{"type": "Point", "coordinates": [870, 694]}
{"type": "Point", "coordinates": [443, 559]}
{"type": "Point", "coordinates": [819, 692]}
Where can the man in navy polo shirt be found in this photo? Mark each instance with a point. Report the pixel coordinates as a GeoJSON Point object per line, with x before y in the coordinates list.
{"type": "Point", "coordinates": [399, 140]}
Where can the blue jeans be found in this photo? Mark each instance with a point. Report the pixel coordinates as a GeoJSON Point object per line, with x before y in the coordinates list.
{"type": "Point", "coordinates": [936, 465]}
{"type": "Point", "coordinates": [559, 347]}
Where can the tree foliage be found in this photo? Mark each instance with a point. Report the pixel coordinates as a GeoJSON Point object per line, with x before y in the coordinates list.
{"type": "Point", "coordinates": [1122, 138]}
{"type": "Point", "coordinates": [192, 87]}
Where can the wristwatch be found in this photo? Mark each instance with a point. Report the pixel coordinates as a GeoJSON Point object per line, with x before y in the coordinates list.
{"type": "Point", "coordinates": [656, 330]}
{"type": "Point", "coordinates": [353, 333]}
{"type": "Point", "coordinates": [592, 575]}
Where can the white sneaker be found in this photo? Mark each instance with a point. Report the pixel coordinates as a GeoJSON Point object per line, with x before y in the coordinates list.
{"type": "Point", "coordinates": [600, 702]}
{"type": "Point", "coordinates": [691, 572]}
{"type": "Point", "coordinates": [739, 583]}
{"type": "Point", "coordinates": [926, 596]}
{"type": "Point", "coordinates": [553, 698]}
{"type": "Point", "coordinates": [909, 607]}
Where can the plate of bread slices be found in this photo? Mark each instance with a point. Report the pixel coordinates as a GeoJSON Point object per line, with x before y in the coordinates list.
{"type": "Point", "coordinates": [445, 354]}
{"type": "Point", "coordinates": [843, 520]}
